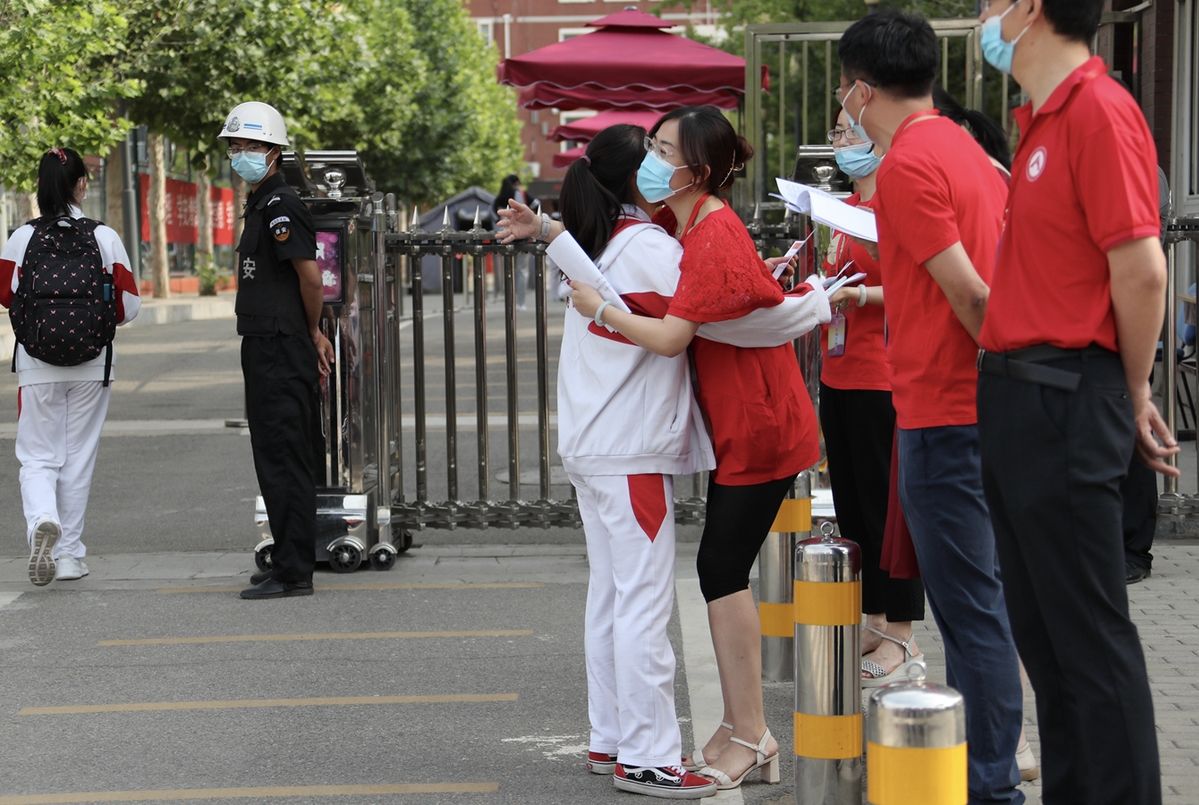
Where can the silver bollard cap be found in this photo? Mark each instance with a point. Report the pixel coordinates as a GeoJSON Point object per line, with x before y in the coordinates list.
{"type": "Point", "coordinates": [827, 560]}
{"type": "Point", "coordinates": [916, 714]}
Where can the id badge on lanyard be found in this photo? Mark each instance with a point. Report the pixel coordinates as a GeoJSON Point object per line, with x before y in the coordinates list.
{"type": "Point", "coordinates": [836, 335]}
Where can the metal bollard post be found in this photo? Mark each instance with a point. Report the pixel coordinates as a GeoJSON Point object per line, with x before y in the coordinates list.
{"type": "Point", "coordinates": [776, 578]}
{"type": "Point", "coordinates": [916, 745]}
{"type": "Point", "coordinates": [828, 683]}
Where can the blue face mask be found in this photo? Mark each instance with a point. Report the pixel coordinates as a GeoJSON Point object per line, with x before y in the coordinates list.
{"type": "Point", "coordinates": [996, 51]}
{"type": "Point", "coordinates": [857, 161]}
{"type": "Point", "coordinates": [653, 178]}
{"type": "Point", "coordinates": [855, 125]}
{"type": "Point", "coordinates": [250, 166]}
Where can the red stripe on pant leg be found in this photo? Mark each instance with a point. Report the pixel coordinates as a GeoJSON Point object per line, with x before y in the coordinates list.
{"type": "Point", "coordinates": [647, 493]}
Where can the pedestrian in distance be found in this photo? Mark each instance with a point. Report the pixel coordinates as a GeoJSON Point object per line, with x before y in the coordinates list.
{"type": "Point", "coordinates": [66, 282]}
{"type": "Point", "coordinates": [283, 352]}
{"type": "Point", "coordinates": [940, 210]}
{"type": "Point", "coordinates": [1064, 396]}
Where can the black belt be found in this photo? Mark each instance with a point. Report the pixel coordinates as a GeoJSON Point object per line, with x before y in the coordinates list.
{"type": "Point", "coordinates": [1025, 364]}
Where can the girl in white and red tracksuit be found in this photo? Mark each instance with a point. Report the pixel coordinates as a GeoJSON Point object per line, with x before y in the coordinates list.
{"type": "Point", "coordinates": [61, 408]}
{"type": "Point", "coordinates": [627, 422]}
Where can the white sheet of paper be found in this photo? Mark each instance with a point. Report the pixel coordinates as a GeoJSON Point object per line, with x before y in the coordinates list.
{"type": "Point", "coordinates": [825, 209]}
{"type": "Point", "coordinates": [794, 250]}
{"type": "Point", "coordinates": [570, 258]}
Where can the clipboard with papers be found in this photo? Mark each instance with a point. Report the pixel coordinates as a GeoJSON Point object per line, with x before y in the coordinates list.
{"type": "Point", "coordinates": [824, 208]}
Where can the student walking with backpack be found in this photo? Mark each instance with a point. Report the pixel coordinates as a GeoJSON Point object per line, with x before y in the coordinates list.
{"type": "Point", "coordinates": [66, 282]}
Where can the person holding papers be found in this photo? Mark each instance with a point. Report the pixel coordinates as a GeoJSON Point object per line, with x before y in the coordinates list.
{"type": "Point", "coordinates": [762, 422]}
{"type": "Point", "coordinates": [858, 422]}
{"type": "Point", "coordinates": [1064, 397]}
{"type": "Point", "coordinates": [940, 210]}
{"type": "Point", "coordinates": [628, 422]}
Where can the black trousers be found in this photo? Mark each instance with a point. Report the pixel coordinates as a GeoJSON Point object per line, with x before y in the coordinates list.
{"type": "Point", "coordinates": [283, 411]}
{"type": "Point", "coordinates": [1140, 513]}
{"type": "Point", "coordinates": [858, 427]}
{"type": "Point", "coordinates": [1053, 462]}
{"type": "Point", "coordinates": [736, 522]}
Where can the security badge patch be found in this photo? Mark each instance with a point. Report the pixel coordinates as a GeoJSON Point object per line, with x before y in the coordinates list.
{"type": "Point", "coordinates": [281, 228]}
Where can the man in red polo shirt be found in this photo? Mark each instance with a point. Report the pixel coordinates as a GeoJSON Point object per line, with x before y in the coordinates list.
{"type": "Point", "coordinates": [940, 211]}
{"type": "Point", "coordinates": [1070, 334]}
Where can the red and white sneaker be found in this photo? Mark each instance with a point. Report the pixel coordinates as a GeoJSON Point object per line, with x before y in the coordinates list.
{"type": "Point", "coordinates": [668, 782]}
{"type": "Point", "coordinates": [600, 763]}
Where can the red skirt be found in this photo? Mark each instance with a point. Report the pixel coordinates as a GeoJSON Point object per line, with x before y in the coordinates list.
{"type": "Point", "coordinates": [899, 554]}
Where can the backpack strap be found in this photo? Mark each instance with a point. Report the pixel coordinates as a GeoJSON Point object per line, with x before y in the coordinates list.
{"type": "Point", "coordinates": [107, 363]}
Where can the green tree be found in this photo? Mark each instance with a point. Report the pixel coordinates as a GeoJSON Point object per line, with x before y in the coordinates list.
{"type": "Point", "coordinates": [61, 82]}
{"type": "Point", "coordinates": [424, 109]}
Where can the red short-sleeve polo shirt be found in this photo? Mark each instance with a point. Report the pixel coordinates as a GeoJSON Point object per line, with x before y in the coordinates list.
{"type": "Point", "coordinates": [1084, 181]}
{"type": "Point", "coordinates": [936, 187]}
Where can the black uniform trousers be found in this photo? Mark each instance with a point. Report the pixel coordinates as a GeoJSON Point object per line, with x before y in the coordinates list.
{"type": "Point", "coordinates": [1053, 462]}
{"type": "Point", "coordinates": [283, 411]}
{"type": "Point", "coordinates": [1140, 514]}
{"type": "Point", "coordinates": [858, 427]}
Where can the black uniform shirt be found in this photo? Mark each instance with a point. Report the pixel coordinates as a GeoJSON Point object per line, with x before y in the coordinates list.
{"type": "Point", "coordinates": [278, 229]}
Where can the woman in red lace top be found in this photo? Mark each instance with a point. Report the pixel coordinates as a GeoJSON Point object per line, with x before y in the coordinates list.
{"type": "Point", "coordinates": [761, 419]}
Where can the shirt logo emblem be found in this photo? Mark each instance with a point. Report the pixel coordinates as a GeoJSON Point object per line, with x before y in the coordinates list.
{"type": "Point", "coordinates": [1036, 163]}
{"type": "Point", "coordinates": [248, 267]}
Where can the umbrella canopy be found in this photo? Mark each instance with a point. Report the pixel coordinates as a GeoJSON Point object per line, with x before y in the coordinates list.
{"type": "Point", "coordinates": [564, 159]}
{"type": "Point", "coordinates": [628, 62]}
{"type": "Point", "coordinates": [584, 130]}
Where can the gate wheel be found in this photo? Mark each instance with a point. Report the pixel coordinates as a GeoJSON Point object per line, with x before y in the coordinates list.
{"type": "Point", "coordinates": [262, 558]}
{"type": "Point", "coordinates": [344, 558]}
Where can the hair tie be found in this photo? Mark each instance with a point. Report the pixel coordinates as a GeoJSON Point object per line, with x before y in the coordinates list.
{"type": "Point", "coordinates": [586, 159]}
{"type": "Point", "coordinates": [58, 152]}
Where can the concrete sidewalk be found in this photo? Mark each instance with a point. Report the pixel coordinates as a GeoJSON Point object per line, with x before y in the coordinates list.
{"type": "Point", "coordinates": [150, 679]}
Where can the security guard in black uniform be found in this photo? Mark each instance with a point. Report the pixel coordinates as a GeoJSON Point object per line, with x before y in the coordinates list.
{"type": "Point", "coordinates": [283, 353]}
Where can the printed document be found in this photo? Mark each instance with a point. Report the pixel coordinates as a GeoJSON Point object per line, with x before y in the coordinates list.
{"type": "Point", "coordinates": [823, 208]}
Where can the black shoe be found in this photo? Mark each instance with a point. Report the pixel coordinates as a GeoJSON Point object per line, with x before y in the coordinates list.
{"type": "Point", "coordinates": [273, 588]}
{"type": "Point", "coordinates": [261, 576]}
{"type": "Point", "coordinates": [667, 782]}
{"type": "Point", "coordinates": [1135, 573]}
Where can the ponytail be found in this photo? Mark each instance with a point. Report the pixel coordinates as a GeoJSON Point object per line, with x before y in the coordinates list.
{"type": "Point", "coordinates": [986, 132]}
{"type": "Point", "coordinates": [57, 174]}
{"type": "Point", "coordinates": [596, 185]}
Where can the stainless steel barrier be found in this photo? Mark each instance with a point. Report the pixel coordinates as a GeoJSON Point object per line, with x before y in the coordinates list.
{"type": "Point", "coordinates": [916, 745]}
{"type": "Point", "coordinates": [828, 683]}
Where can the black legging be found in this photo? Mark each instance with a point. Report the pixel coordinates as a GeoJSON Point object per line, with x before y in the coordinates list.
{"type": "Point", "coordinates": [737, 520]}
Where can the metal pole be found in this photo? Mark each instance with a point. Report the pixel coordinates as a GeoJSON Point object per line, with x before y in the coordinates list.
{"type": "Point", "coordinates": [510, 366]}
{"type": "Point", "coordinates": [451, 388]}
{"type": "Point", "coordinates": [916, 745]}
{"type": "Point", "coordinates": [776, 581]}
{"type": "Point", "coordinates": [1170, 359]}
{"type": "Point", "coordinates": [418, 374]}
{"type": "Point", "coordinates": [543, 378]}
{"type": "Point", "coordinates": [828, 682]}
{"type": "Point", "coordinates": [382, 357]}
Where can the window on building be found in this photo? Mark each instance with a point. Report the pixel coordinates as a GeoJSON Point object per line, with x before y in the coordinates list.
{"type": "Point", "coordinates": [486, 29]}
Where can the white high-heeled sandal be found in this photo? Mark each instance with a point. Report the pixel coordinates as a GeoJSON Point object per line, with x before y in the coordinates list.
{"type": "Point", "coordinates": [696, 760]}
{"type": "Point", "coordinates": [878, 674]}
{"type": "Point", "coordinates": [766, 765]}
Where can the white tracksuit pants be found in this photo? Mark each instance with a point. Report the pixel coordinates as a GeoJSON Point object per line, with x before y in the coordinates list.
{"type": "Point", "coordinates": [58, 436]}
{"type": "Point", "coordinates": [629, 524]}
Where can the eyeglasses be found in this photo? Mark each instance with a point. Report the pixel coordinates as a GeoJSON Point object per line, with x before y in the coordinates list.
{"type": "Point", "coordinates": [836, 134]}
{"type": "Point", "coordinates": [234, 150]}
{"type": "Point", "coordinates": [664, 151]}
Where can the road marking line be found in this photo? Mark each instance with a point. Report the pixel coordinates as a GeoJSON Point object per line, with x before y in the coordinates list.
{"type": "Point", "coordinates": [249, 704]}
{"type": "Point", "coordinates": [377, 585]}
{"type": "Point", "coordinates": [194, 794]}
{"type": "Point", "coordinates": [283, 638]}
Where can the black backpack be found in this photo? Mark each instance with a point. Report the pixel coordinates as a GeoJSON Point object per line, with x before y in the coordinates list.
{"type": "Point", "coordinates": [64, 310]}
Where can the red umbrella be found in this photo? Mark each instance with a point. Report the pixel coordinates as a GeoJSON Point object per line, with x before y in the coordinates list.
{"type": "Point", "coordinates": [629, 62]}
{"type": "Point", "coordinates": [585, 129]}
{"type": "Point", "coordinates": [564, 159]}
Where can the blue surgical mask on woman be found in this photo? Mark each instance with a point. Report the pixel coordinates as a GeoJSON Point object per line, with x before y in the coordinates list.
{"type": "Point", "coordinates": [857, 161]}
{"type": "Point", "coordinates": [996, 51]}
{"type": "Point", "coordinates": [250, 166]}
{"type": "Point", "coordinates": [653, 178]}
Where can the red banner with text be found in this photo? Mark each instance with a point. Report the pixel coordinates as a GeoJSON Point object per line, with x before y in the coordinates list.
{"type": "Point", "coordinates": [182, 212]}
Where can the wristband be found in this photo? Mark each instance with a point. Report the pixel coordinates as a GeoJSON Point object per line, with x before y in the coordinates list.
{"type": "Point", "coordinates": [861, 296]}
{"type": "Point", "coordinates": [599, 312]}
{"type": "Point", "coordinates": [545, 227]}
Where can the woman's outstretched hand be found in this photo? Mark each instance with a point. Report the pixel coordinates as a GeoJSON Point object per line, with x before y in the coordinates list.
{"type": "Point", "coordinates": [517, 222]}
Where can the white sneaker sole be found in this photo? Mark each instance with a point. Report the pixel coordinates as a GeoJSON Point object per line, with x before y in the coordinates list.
{"type": "Point", "coordinates": [650, 790]}
{"type": "Point", "coordinates": [41, 563]}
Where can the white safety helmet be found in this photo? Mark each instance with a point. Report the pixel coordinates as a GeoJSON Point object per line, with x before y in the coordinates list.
{"type": "Point", "coordinates": [255, 121]}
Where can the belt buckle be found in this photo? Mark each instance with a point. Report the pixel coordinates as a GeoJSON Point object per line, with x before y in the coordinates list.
{"type": "Point", "coordinates": [978, 362]}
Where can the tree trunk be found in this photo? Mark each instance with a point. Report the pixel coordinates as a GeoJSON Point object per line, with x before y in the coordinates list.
{"type": "Point", "coordinates": [114, 186]}
{"type": "Point", "coordinates": [203, 217]}
{"type": "Point", "coordinates": [160, 268]}
{"type": "Point", "coordinates": [26, 207]}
